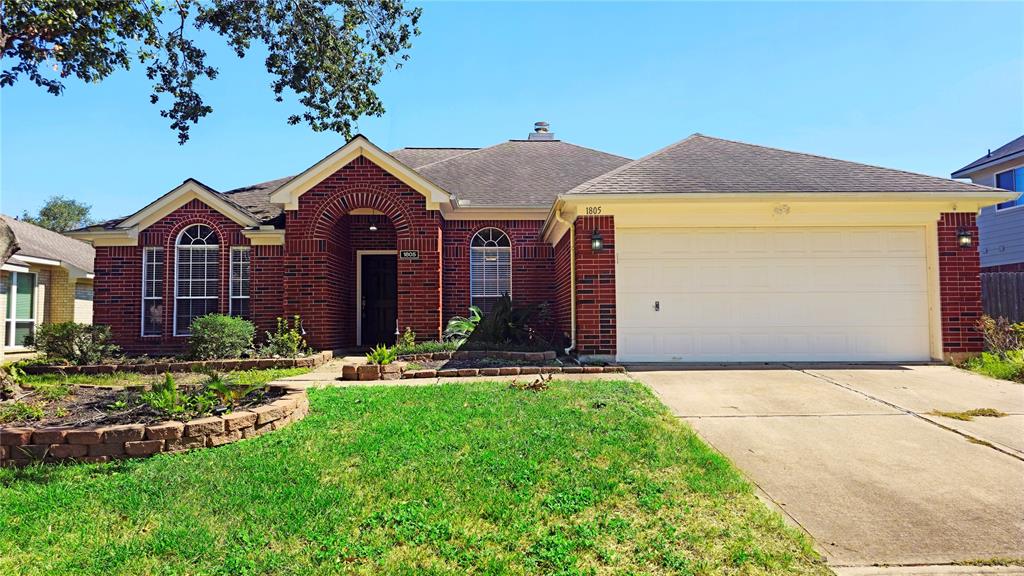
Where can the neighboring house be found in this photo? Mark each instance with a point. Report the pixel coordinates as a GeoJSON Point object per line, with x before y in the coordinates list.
{"type": "Point", "coordinates": [49, 278]}
{"type": "Point", "coordinates": [707, 250]}
{"type": "Point", "coordinates": [1001, 227]}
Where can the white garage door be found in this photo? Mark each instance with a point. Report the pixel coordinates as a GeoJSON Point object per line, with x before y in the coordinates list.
{"type": "Point", "coordinates": [770, 294]}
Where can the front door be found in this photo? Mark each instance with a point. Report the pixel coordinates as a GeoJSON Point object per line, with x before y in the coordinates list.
{"type": "Point", "coordinates": [379, 299]}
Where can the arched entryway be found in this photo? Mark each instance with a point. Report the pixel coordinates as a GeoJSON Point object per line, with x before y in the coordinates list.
{"type": "Point", "coordinates": [361, 272]}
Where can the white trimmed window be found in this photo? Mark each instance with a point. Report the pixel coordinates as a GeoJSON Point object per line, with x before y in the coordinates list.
{"type": "Point", "coordinates": [239, 305]}
{"type": "Point", "coordinates": [490, 268]}
{"type": "Point", "coordinates": [196, 276]}
{"type": "Point", "coordinates": [152, 291]}
{"type": "Point", "coordinates": [20, 317]}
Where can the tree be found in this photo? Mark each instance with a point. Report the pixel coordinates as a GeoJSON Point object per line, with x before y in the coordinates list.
{"type": "Point", "coordinates": [329, 53]}
{"type": "Point", "coordinates": [60, 214]}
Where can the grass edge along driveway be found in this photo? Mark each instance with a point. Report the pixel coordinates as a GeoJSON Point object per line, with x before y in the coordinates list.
{"type": "Point", "coordinates": [583, 478]}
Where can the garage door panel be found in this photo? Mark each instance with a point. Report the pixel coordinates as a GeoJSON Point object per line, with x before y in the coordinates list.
{"type": "Point", "coordinates": [773, 294]}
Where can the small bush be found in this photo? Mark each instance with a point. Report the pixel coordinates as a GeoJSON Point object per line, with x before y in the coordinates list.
{"type": "Point", "coordinates": [1001, 335]}
{"type": "Point", "coordinates": [1007, 367]}
{"type": "Point", "coordinates": [287, 341]}
{"type": "Point", "coordinates": [407, 339]}
{"type": "Point", "coordinates": [165, 397]}
{"type": "Point", "coordinates": [509, 327]}
{"type": "Point", "coordinates": [381, 355]}
{"type": "Point", "coordinates": [75, 343]}
{"type": "Point", "coordinates": [219, 336]}
{"type": "Point", "coordinates": [230, 393]}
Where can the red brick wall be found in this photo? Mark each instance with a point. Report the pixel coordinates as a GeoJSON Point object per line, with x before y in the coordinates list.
{"type": "Point", "coordinates": [318, 270]}
{"type": "Point", "coordinates": [118, 283]}
{"type": "Point", "coordinates": [959, 285]}
{"type": "Point", "coordinates": [595, 287]}
{"type": "Point", "coordinates": [532, 264]}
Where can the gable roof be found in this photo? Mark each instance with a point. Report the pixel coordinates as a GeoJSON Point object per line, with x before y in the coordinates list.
{"type": "Point", "coordinates": [42, 243]}
{"type": "Point", "coordinates": [702, 164]}
{"type": "Point", "coordinates": [518, 173]}
{"type": "Point", "coordinates": [1005, 152]}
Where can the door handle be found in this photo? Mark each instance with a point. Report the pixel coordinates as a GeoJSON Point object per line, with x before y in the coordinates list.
{"type": "Point", "coordinates": [657, 306]}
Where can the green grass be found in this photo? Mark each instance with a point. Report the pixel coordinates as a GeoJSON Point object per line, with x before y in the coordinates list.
{"type": "Point", "coordinates": [1009, 368]}
{"type": "Point", "coordinates": [44, 381]}
{"type": "Point", "coordinates": [968, 415]}
{"type": "Point", "coordinates": [582, 478]}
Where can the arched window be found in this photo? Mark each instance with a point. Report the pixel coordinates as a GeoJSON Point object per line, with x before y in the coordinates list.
{"type": "Point", "coordinates": [196, 276]}
{"type": "Point", "coordinates": [490, 268]}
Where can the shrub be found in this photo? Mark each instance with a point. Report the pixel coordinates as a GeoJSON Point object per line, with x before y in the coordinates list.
{"type": "Point", "coordinates": [165, 397]}
{"type": "Point", "coordinates": [381, 355]}
{"type": "Point", "coordinates": [508, 327]}
{"type": "Point", "coordinates": [75, 343]}
{"type": "Point", "coordinates": [460, 327]}
{"type": "Point", "coordinates": [1007, 367]}
{"type": "Point", "coordinates": [219, 336]}
{"type": "Point", "coordinates": [407, 339]}
{"type": "Point", "coordinates": [286, 341]}
{"type": "Point", "coordinates": [1001, 336]}
{"type": "Point", "coordinates": [230, 393]}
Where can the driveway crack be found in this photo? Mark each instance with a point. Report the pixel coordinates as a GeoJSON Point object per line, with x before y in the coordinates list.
{"type": "Point", "coordinates": [969, 437]}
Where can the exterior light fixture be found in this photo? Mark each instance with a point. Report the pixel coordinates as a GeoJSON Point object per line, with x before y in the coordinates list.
{"type": "Point", "coordinates": [964, 238]}
{"type": "Point", "coordinates": [373, 227]}
{"type": "Point", "coordinates": [596, 241]}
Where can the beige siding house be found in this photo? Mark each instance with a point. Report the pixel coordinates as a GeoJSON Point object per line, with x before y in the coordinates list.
{"type": "Point", "coordinates": [48, 278]}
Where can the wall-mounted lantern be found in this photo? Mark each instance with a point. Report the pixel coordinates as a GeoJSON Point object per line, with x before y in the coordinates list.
{"type": "Point", "coordinates": [373, 227]}
{"type": "Point", "coordinates": [964, 238]}
{"type": "Point", "coordinates": [596, 241]}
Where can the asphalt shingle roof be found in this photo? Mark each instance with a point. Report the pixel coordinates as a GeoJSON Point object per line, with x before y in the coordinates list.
{"type": "Point", "coordinates": [416, 157]}
{"type": "Point", "coordinates": [702, 164]}
{"type": "Point", "coordinates": [519, 172]}
{"type": "Point", "coordinates": [42, 243]}
{"type": "Point", "coordinates": [1010, 148]}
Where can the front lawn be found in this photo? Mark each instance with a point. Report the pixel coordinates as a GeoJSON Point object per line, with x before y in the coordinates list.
{"type": "Point", "coordinates": [582, 478]}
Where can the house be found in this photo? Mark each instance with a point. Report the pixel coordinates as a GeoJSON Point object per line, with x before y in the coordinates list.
{"type": "Point", "coordinates": [49, 278]}
{"type": "Point", "coordinates": [707, 250]}
{"type": "Point", "coordinates": [1000, 227]}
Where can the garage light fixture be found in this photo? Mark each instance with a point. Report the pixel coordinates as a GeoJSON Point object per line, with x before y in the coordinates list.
{"type": "Point", "coordinates": [964, 238]}
{"type": "Point", "coordinates": [373, 227]}
{"type": "Point", "coordinates": [596, 241]}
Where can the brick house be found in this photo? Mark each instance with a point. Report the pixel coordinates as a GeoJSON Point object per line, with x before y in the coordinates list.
{"type": "Point", "coordinates": [47, 278]}
{"type": "Point", "coordinates": [707, 250]}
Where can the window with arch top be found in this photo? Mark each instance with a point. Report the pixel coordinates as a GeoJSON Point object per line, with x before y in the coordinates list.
{"type": "Point", "coordinates": [196, 276]}
{"type": "Point", "coordinates": [490, 268]}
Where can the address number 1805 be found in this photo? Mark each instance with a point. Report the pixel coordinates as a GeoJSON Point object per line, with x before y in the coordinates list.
{"type": "Point", "coordinates": [593, 210]}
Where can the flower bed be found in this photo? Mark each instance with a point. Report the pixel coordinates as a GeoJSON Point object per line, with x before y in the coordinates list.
{"type": "Point", "coordinates": [158, 366]}
{"type": "Point", "coordinates": [470, 364]}
{"type": "Point", "coordinates": [25, 444]}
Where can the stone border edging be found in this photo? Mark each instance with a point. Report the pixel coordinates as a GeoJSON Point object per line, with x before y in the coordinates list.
{"type": "Point", "coordinates": [311, 361]}
{"type": "Point", "coordinates": [22, 445]}
{"type": "Point", "coordinates": [511, 371]}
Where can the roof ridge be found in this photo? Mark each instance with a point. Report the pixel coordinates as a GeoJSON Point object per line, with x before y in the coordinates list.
{"type": "Point", "coordinates": [614, 171]}
{"type": "Point", "coordinates": [808, 154]}
{"type": "Point", "coordinates": [436, 148]}
{"type": "Point", "coordinates": [473, 151]}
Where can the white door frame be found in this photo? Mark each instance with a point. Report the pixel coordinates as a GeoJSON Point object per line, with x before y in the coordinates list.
{"type": "Point", "coordinates": [359, 287]}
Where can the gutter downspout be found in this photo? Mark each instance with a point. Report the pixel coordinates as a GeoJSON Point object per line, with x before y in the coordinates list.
{"type": "Point", "coordinates": [572, 279]}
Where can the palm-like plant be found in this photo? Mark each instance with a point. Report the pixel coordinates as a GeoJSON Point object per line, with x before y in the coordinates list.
{"type": "Point", "coordinates": [460, 327]}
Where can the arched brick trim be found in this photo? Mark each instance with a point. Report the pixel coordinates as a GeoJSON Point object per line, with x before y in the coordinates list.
{"type": "Point", "coordinates": [345, 201]}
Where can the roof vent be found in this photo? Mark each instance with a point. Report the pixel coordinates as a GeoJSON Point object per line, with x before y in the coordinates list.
{"type": "Point", "coordinates": [540, 132]}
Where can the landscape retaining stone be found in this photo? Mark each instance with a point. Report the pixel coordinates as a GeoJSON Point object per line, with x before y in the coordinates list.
{"type": "Point", "coordinates": [158, 367]}
{"type": "Point", "coordinates": [22, 445]}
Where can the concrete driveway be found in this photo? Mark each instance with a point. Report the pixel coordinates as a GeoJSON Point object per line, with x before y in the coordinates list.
{"type": "Point", "coordinates": [850, 454]}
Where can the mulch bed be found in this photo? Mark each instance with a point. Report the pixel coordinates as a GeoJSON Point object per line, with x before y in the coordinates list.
{"type": "Point", "coordinates": [91, 406]}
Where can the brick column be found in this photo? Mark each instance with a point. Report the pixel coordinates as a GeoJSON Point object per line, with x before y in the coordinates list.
{"type": "Point", "coordinates": [595, 287]}
{"type": "Point", "coordinates": [959, 285]}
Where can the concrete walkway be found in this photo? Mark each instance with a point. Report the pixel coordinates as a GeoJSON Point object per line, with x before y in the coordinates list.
{"type": "Point", "coordinates": [851, 455]}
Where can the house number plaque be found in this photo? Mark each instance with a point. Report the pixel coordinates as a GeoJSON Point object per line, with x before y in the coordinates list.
{"type": "Point", "coordinates": [409, 254]}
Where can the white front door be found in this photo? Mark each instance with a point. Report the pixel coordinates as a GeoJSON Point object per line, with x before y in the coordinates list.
{"type": "Point", "coordinates": [772, 294]}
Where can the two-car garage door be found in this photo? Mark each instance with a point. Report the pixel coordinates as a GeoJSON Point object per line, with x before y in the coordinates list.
{"type": "Point", "coordinates": [771, 294]}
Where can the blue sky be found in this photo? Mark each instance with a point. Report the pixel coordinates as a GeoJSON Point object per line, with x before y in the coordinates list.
{"type": "Point", "coordinates": [926, 87]}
